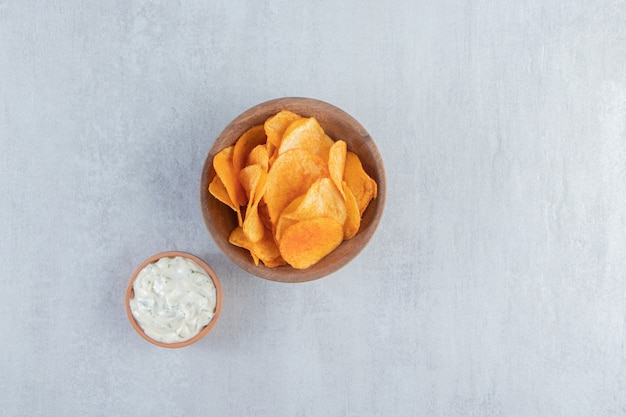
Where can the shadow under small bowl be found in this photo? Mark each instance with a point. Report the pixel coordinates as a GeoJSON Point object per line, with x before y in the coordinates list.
{"type": "Point", "coordinates": [220, 220]}
{"type": "Point", "coordinates": [218, 306]}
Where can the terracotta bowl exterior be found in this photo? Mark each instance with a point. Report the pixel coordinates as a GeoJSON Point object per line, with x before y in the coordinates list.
{"type": "Point", "coordinates": [206, 329]}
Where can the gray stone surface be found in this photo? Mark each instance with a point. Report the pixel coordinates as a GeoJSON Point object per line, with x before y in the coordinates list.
{"type": "Point", "coordinates": [493, 287]}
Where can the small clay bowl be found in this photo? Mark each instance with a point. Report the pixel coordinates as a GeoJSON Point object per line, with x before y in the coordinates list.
{"type": "Point", "coordinates": [220, 220]}
{"type": "Point", "coordinates": [218, 306]}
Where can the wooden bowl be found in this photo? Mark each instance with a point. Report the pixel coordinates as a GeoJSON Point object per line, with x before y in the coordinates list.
{"type": "Point", "coordinates": [220, 220]}
{"type": "Point", "coordinates": [205, 329]}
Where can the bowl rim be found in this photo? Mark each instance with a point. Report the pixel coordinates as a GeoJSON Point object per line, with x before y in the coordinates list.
{"type": "Point", "coordinates": [218, 304]}
{"type": "Point", "coordinates": [302, 106]}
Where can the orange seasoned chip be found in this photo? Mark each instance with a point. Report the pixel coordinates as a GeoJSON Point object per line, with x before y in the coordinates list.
{"type": "Point", "coordinates": [260, 156]}
{"type": "Point", "coordinates": [286, 218]}
{"type": "Point", "coordinates": [249, 178]}
{"type": "Point", "coordinates": [267, 250]}
{"type": "Point", "coordinates": [264, 215]}
{"type": "Point", "coordinates": [264, 250]}
{"type": "Point", "coordinates": [223, 165]}
{"type": "Point", "coordinates": [362, 185]}
{"type": "Point", "coordinates": [321, 200]}
{"type": "Point", "coordinates": [273, 154]}
{"type": "Point", "coordinates": [353, 215]}
{"type": "Point", "coordinates": [238, 238]}
{"type": "Point", "coordinates": [308, 135]}
{"type": "Point", "coordinates": [245, 144]}
{"type": "Point", "coordinates": [291, 176]}
{"type": "Point", "coordinates": [273, 263]}
{"type": "Point", "coordinates": [337, 164]}
{"type": "Point", "coordinates": [307, 242]}
{"type": "Point", "coordinates": [276, 125]}
{"type": "Point", "coordinates": [217, 189]}
{"type": "Point", "coordinates": [253, 178]}
{"type": "Point", "coordinates": [252, 225]}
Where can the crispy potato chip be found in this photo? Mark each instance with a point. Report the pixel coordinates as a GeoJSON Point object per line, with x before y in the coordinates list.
{"type": "Point", "coordinates": [275, 128]}
{"type": "Point", "coordinates": [252, 225]}
{"type": "Point", "coordinates": [238, 238]}
{"type": "Point", "coordinates": [306, 242]}
{"type": "Point", "coordinates": [273, 155]}
{"type": "Point", "coordinates": [223, 165]}
{"type": "Point", "coordinates": [254, 178]}
{"type": "Point", "coordinates": [260, 188]}
{"type": "Point", "coordinates": [362, 186]}
{"type": "Point", "coordinates": [291, 176]}
{"type": "Point", "coordinates": [276, 125]}
{"type": "Point", "coordinates": [306, 134]}
{"type": "Point", "coordinates": [249, 178]}
{"type": "Point", "coordinates": [353, 217]}
{"type": "Point", "coordinates": [245, 144]}
{"type": "Point", "coordinates": [264, 215]}
{"type": "Point", "coordinates": [286, 218]}
{"type": "Point", "coordinates": [337, 164]}
{"type": "Point", "coordinates": [260, 156]}
{"type": "Point", "coordinates": [321, 200]}
{"type": "Point", "coordinates": [265, 249]}
{"type": "Point", "coordinates": [218, 190]}
{"type": "Point", "coordinates": [275, 262]}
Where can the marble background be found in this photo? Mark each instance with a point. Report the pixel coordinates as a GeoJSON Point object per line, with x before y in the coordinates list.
{"type": "Point", "coordinates": [495, 285]}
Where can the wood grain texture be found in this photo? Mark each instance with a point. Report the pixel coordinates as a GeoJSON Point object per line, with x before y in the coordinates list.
{"type": "Point", "coordinates": [220, 220]}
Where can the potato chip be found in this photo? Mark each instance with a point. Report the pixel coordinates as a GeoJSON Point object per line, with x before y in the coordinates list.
{"type": "Point", "coordinates": [249, 178]}
{"type": "Point", "coordinates": [285, 219]}
{"type": "Point", "coordinates": [267, 251]}
{"type": "Point", "coordinates": [362, 186]}
{"type": "Point", "coordinates": [260, 156]}
{"type": "Point", "coordinates": [291, 176]}
{"type": "Point", "coordinates": [264, 250]}
{"type": "Point", "coordinates": [321, 200]}
{"type": "Point", "coordinates": [253, 179]}
{"type": "Point", "coordinates": [353, 215]}
{"type": "Point", "coordinates": [264, 215]}
{"type": "Point", "coordinates": [308, 135]}
{"type": "Point", "coordinates": [273, 263]}
{"type": "Point", "coordinates": [238, 238]}
{"type": "Point", "coordinates": [306, 242]}
{"type": "Point", "coordinates": [218, 190]}
{"type": "Point", "coordinates": [245, 144]}
{"type": "Point", "coordinates": [337, 164]}
{"type": "Point", "coordinates": [223, 165]}
{"type": "Point", "coordinates": [276, 125]}
{"type": "Point", "coordinates": [252, 225]}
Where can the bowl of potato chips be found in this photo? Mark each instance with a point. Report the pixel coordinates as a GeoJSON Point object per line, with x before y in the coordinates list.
{"type": "Point", "coordinates": [293, 189]}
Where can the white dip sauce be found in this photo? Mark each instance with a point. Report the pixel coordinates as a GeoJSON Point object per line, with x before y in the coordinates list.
{"type": "Point", "coordinates": [174, 299]}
